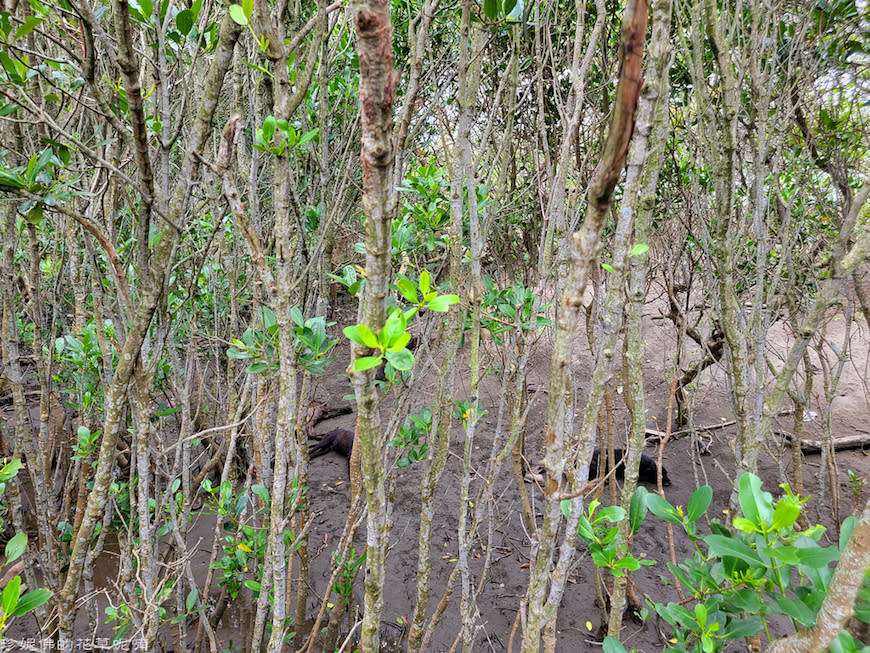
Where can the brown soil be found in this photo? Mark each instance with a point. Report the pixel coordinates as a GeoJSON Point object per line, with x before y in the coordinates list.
{"type": "Point", "coordinates": [581, 623]}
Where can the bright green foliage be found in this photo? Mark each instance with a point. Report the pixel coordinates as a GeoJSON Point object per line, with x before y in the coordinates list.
{"type": "Point", "coordinates": [350, 280]}
{"type": "Point", "coordinates": [463, 412]}
{"type": "Point", "coordinates": [424, 219]}
{"type": "Point", "coordinates": [121, 617]}
{"type": "Point", "coordinates": [190, 608]}
{"type": "Point", "coordinates": [243, 545]}
{"type": "Point", "coordinates": [764, 567]}
{"type": "Point", "coordinates": [79, 361]}
{"type": "Point", "coordinates": [278, 136]}
{"type": "Point", "coordinates": [503, 9]}
{"type": "Point", "coordinates": [413, 437]}
{"type": "Point", "coordinates": [260, 345]}
{"type": "Point", "coordinates": [349, 568]}
{"type": "Point", "coordinates": [242, 14]}
{"type": "Point", "coordinates": [508, 308]}
{"type": "Point", "coordinates": [390, 343]}
{"type": "Point", "coordinates": [43, 175]}
{"type": "Point", "coordinates": [605, 544]}
{"type": "Point", "coordinates": [86, 443]}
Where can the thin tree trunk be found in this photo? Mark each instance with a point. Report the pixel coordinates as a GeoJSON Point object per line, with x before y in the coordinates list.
{"type": "Point", "coordinates": [645, 162]}
{"type": "Point", "coordinates": [374, 44]}
{"type": "Point", "coordinates": [546, 583]}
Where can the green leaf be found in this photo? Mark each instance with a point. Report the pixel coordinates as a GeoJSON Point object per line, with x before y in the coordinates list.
{"type": "Point", "coordinates": [257, 368]}
{"type": "Point", "coordinates": [11, 68]}
{"type": "Point", "coordinates": [268, 317]}
{"type": "Point", "coordinates": [393, 328]}
{"type": "Point", "coordinates": [402, 360]}
{"type": "Point", "coordinates": [9, 598]}
{"type": "Point", "coordinates": [28, 26]}
{"type": "Point", "coordinates": [33, 599]}
{"type": "Point", "coordinates": [701, 614]}
{"type": "Point", "coordinates": [508, 8]}
{"type": "Point", "coordinates": [637, 509]}
{"type": "Point", "coordinates": [367, 363]}
{"type": "Point", "coordinates": [638, 249]}
{"type": "Point", "coordinates": [355, 334]}
{"type": "Point", "coordinates": [699, 502]}
{"type": "Point", "coordinates": [786, 513]}
{"type": "Point", "coordinates": [35, 215]}
{"type": "Point", "coordinates": [261, 492]}
{"type": "Point", "coordinates": [490, 8]}
{"type": "Point", "coordinates": [845, 643]}
{"type": "Point", "coordinates": [408, 290]}
{"type": "Point", "coordinates": [15, 547]}
{"type": "Point", "coordinates": [238, 15]}
{"type": "Point", "coordinates": [756, 504]}
{"type": "Point", "coordinates": [786, 554]}
{"type": "Point", "coordinates": [190, 601]}
{"type": "Point", "coordinates": [846, 530]}
{"type": "Point", "coordinates": [10, 469]}
{"type": "Point", "coordinates": [352, 334]}
{"type": "Point", "coordinates": [743, 600]}
{"type": "Point", "coordinates": [147, 8]}
{"type": "Point", "coordinates": [248, 7]}
{"type": "Point", "coordinates": [442, 302]}
{"type": "Point", "coordinates": [45, 157]}
{"type": "Point", "coordinates": [613, 514]}
{"type": "Point", "coordinates": [796, 610]}
{"type": "Point", "coordinates": [268, 128]}
{"type": "Point", "coordinates": [252, 585]}
{"type": "Point", "coordinates": [740, 628]}
{"type": "Point", "coordinates": [308, 136]}
{"type": "Point", "coordinates": [746, 525]}
{"type": "Point", "coordinates": [662, 509]}
{"type": "Point", "coordinates": [629, 562]}
{"type": "Point", "coordinates": [425, 282]}
{"type": "Point", "coordinates": [401, 342]}
{"type": "Point", "coordinates": [817, 557]}
{"type": "Point", "coordinates": [184, 21]}
{"type": "Point", "coordinates": [64, 153]}
{"type": "Point", "coordinates": [607, 267]}
{"type": "Point", "coordinates": [729, 546]}
{"type": "Point", "coordinates": [368, 337]}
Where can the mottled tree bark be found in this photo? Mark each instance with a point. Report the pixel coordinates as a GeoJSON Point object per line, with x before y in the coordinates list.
{"type": "Point", "coordinates": [645, 162]}
{"type": "Point", "coordinates": [374, 43]}
{"type": "Point", "coordinates": [548, 573]}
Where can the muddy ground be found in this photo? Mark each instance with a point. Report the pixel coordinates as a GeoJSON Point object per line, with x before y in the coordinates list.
{"type": "Point", "coordinates": [506, 584]}
{"type": "Point", "coordinates": [580, 621]}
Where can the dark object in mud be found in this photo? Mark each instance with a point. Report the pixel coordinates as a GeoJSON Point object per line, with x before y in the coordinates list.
{"type": "Point", "coordinates": [338, 440]}
{"type": "Point", "coordinates": [646, 473]}
{"type": "Point", "coordinates": [318, 412]}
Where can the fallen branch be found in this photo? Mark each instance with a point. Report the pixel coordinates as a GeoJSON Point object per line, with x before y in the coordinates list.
{"type": "Point", "coordinates": [838, 444]}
